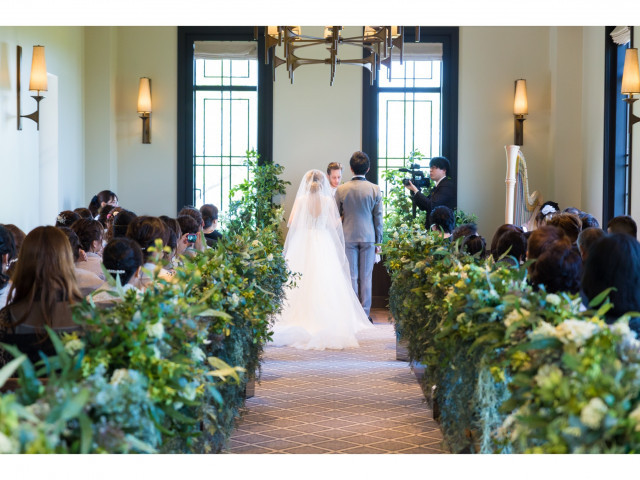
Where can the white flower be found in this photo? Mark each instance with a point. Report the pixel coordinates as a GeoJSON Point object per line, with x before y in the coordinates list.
{"type": "Point", "coordinates": [270, 258]}
{"type": "Point", "coordinates": [156, 330]}
{"type": "Point", "coordinates": [235, 299]}
{"type": "Point", "coordinates": [514, 316]}
{"type": "Point", "coordinates": [593, 413]}
{"type": "Point", "coordinates": [73, 346]}
{"type": "Point", "coordinates": [120, 375]}
{"type": "Point", "coordinates": [548, 376]}
{"type": "Point", "coordinates": [189, 392]}
{"type": "Point", "coordinates": [635, 416]}
{"type": "Point", "coordinates": [553, 299]}
{"type": "Point", "coordinates": [255, 243]}
{"type": "Point", "coordinates": [622, 329]}
{"type": "Point", "coordinates": [544, 330]}
{"type": "Point", "coordinates": [197, 355]}
{"type": "Point", "coordinates": [576, 331]}
{"type": "Point", "coordinates": [6, 446]}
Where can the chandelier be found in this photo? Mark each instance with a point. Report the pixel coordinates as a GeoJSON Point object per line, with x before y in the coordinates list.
{"type": "Point", "coordinates": [376, 46]}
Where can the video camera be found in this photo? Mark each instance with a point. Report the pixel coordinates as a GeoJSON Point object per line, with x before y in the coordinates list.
{"type": "Point", "coordinates": [417, 176]}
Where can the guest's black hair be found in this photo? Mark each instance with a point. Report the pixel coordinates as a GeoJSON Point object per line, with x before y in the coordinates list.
{"type": "Point", "coordinates": [442, 163]}
{"type": "Point", "coordinates": [7, 247]}
{"type": "Point", "coordinates": [574, 210]}
{"type": "Point", "coordinates": [84, 212]}
{"type": "Point", "coordinates": [359, 163]}
{"type": "Point", "coordinates": [209, 214]}
{"type": "Point", "coordinates": [173, 224]}
{"type": "Point", "coordinates": [558, 268]}
{"type": "Point", "coordinates": [192, 212]}
{"type": "Point", "coordinates": [502, 229]}
{"type": "Point", "coordinates": [121, 223]}
{"type": "Point", "coordinates": [474, 245]}
{"type": "Point", "coordinates": [66, 218]}
{"type": "Point", "coordinates": [587, 238]}
{"type": "Point", "coordinates": [74, 241]}
{"type": "Point", "coordinates": [188, 224]}
{"type": "Point", "coordinates": [464, 231]}
{"type": "Point", "coordinates": [443, 218]}
{"type": "Point", "coordinates": [513, 242]}
{"type": "Point", "coordinates": [88, 231]}
{"type": "Point", "coordinates": [104, 196]}
{"type": "Point", "coordinates": [588, 221]}
{"type": "Point", "coordinates": [103, 214]}
{"type": "Point", "coordinates": [614, 261]}
{"type": "Point", "coordinates": [623, 224]}
{"type": "Point", "coordinates": [146, 230]}
{"type": "Point", "coordinates": [122, 256]}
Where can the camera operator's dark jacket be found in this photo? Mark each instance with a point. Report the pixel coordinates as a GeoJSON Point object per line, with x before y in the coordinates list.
{"type": "Point", "coordinates": [443, 194]}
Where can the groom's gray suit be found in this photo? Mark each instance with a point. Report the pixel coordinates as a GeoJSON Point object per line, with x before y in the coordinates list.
{"type": "Point", "coordinates": [360, 206]}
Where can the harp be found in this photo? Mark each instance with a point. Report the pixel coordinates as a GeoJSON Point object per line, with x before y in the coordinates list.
{"type": "Point", "coordinates": [521, 206]}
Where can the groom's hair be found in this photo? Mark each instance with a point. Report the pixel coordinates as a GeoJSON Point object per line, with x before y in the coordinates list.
{"type": "Point", "coordinates": [359, 163]}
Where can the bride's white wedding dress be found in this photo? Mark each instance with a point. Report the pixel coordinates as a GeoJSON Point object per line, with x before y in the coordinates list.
{"type": "Point", "coordinates": [322, 311]}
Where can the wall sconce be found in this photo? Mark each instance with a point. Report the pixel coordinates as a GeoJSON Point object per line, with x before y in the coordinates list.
{"type": "Point", "coordinates": [144, 108]}
{"type": "Point", "coordinates": [520, 109]}
{"type": "Point", "coordinates": [631, 82]}
{"type": "Point", "coordinates": [37, 82]}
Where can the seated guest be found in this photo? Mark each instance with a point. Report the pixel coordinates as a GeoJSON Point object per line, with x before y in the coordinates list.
{"type": "Point", "coordinates": [614, 261]}
{"type": "Point", "coordinates": [547, 209]}
{"type": "Point", "coordinates": [122, 258]}
{"type": "Point", "coordinates": [200, 243]}
{"type": "Point", "coordinates": [464, 231]}
{"type": "Point", "coordinates": [83, 212]}
{"type": "Point", "coordinates": [105, 197]}
{"type": "Point", "coordinates": [542, 238]}
{"type": "Point", "coordinates": [587, 238]}
{"type": "Point", "coordinates": [66, 218]}
{"type": "Point", "coordinates": [43, 289]}
{"type": "Point", "coordinates": [569, 223]}
{"type": "Point", "coordinates": [178, 242]}
{"type": "Point", "coordinates": [87, 281]}
{"type": "Point", "coordinates": [145, 231]}
{"type": "Point", "coordinates": [502, 229]}
{"type": "Point", "coordinates": [558, 268]}
{"type": "Point", "coordinates": [188, 227]}
{"type": "Point", "coordinates": [572, 210]}
{"type": "Point", "coordinates": [104, 214]}
{"type": "Point", "coordinates": [623, 224]}
{"type": "Point", "coordinates": [18, 238]}
{"type": "Point", "coordinates": [588, 220]}
{"type": "Point", "coordinates": [442, 220]}
{"type": "Point", "coordinates": [210, 223]}
{"type": "Point", "coordinates": [121, 223]}
{"type": "Point", "coordinates": [90, 233]}
{"type": "Point", "coordinates": [7, 252]}
{"type": "Point", "coordinates": [474, 245]}
{"type": "Point", "coordinates": [511, 248]}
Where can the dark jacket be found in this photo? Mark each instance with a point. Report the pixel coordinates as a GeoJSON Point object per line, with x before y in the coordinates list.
{"type": "Point", "coordinates": [443, 194]}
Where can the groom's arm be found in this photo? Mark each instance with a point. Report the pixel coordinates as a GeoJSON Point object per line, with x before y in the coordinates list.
{"type": "Point", "coordinates": [377, 216]}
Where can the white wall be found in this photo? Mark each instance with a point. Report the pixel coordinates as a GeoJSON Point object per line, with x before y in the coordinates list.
{"type": "Point", "coordinates": [19, 150]}
{"type": "Point", "coordinates": [314, 123]}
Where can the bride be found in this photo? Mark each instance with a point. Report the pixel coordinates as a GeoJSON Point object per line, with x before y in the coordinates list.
{"type": "Point", "coordinates": [322, 311]}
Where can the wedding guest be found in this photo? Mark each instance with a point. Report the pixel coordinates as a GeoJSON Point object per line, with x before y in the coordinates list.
{"type": "Point", "coordinates": [572, 210]}
{"type": "Point", "coordinates": [334, 173]}
{"type": "Point", "coordinates": [105, 197]}
{"type": "Point", "coordinates": [588, 220]}
{"type": "Point", "coordinates": [122, 258]}
{"type": "Point", "coordinates": [43, 290]}
{"type": "Point", "coordinates": [464, 230]}
{"type": "Point", "coordinates": [104, 214]}
{"type": "Point", "coordinates": [7, 252]}
{"type": "Point", "coordinates": [121, 223]}
{"type": "Point", "coordinates": [86, 280]}
{"type": "Point", "coordinates": [210, 218]}
{"type": "Point", "coordinates": [442, 220]}
{"type": "Point", "coordinates": [623, 224]}
{"type": "Point", "coordinates": [558, 268]}
{"type": "Point", "coordinates": [587, 238]}
{"type": "Point", "coordinates": [66, 218]}
{"type": "Point", "coordinates": [200, 244]}
{"type": "Point", "coordinates": [502, 229]}
{"type": "Point", "coordinates": [614, 261]}
{"type": "Point", "coordinates": [108, 223]}
{"type": "Point", "coordinates": [569, 223]}
{"type": "Point", "coordinates": [188, 227]}
{"type": "Point", "coordinates": [547, 209]}
{"type": "Point", "coordinates": [542, 238]}
{"type": "Point", "coordinates": [90, 233]}
{"type": "Point", "coordinates": [145, 230]}
{"type": "Point", "coordinates": [511, 247]}
{"type": "Point", "coordinates": [474, 245]}
{"type": "Point", "coordinates": [84, 212]}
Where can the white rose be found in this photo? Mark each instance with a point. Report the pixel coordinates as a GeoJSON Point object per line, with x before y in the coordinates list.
{"type": "Point", "coordinates": [197, 355]}
{"type": "Point", "coordinates": [514, 316]}
{"type": "Point", "coordinates": [544, 330]}
{"type": "Point", "coordinates": [270, 258]}
{"type": "Point", "coordinates": [553, 299]}
{"type": "Point", "coordinates": [119, 376]}
{"type": "Point", "coordinates": [593, 413]}
{"type": "Point", "coordinates": [156, 330]}
{"type": "Point", "coordinates": [576, 331]}
{"type": "Point", "coordinates": [73, 346]}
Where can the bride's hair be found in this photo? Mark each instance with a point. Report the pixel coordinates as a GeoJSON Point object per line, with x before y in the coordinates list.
{"type": "Point", "coordinates": [314, 180]}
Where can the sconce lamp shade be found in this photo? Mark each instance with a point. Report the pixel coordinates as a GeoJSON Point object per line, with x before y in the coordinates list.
{"type": "Point", "coordinates": [144, 95]}
{"type": "Point", "coordinates": [631, 74]}
{"type": "Point", "coordinates": [38, 80]}
{"type": "Point", "coordinates": [520, 106]}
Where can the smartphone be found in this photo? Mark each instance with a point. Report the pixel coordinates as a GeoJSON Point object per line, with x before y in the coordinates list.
{"type": "Point", "coordinates": [192, 237]}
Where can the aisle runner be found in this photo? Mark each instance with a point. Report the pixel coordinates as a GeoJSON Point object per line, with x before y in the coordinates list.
{"type": "Point", "coordinates": [351, 401]}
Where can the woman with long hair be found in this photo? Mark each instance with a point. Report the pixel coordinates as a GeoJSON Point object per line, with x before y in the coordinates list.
{"type": "Point", "coordinates": [42, 291]}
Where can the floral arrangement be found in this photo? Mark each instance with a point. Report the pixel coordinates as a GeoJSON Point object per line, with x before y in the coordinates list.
{"type": "Point", "coordinates": [514, 369]}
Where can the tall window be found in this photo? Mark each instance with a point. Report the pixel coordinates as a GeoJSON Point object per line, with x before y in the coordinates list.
{"type": "Point", "coordinates": [417, 108]}
{"type": "Point", "coordinates": [226, 121]}
{"type": "Point", "coordinates": [225, 98]}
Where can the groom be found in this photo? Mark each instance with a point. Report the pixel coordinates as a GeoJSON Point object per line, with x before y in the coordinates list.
{"type": "Point", "coordinates": [360, 206]}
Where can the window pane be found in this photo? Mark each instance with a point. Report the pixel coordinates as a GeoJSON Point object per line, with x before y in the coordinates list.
{"type": "Point", "coordinates": [226, 72]}
{"type": "Point", "coordinates": [411, 74]}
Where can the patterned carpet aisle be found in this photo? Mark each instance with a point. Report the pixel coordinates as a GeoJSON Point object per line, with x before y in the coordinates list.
{"type": "Point", "coordinates": [346, 401]}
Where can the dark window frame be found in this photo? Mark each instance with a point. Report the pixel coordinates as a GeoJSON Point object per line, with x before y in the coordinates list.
{"type": "Point", "coordinates": [186, 76]}
{"type": "Point", "coordinates": [449, 37]}
{"type": "Point", "coordinates": [616, 191]}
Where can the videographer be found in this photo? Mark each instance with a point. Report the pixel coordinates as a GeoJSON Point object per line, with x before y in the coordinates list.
{"type": "Point", "coordinates": [444, 193]}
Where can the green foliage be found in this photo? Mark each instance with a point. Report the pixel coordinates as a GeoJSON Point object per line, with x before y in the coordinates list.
{"type": "Point", "coordinates": [515, 369]}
